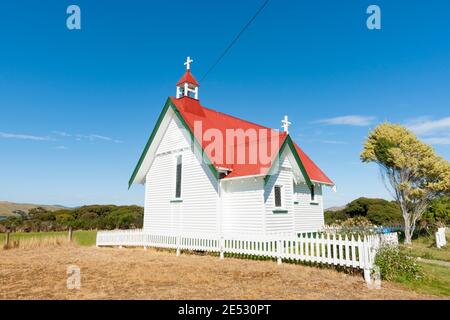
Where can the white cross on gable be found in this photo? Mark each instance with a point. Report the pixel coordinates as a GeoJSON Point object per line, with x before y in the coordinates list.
{"type": "Point", "coordinates": [188, 63]}
{"type": "Point", "coordinates": [286, 124]}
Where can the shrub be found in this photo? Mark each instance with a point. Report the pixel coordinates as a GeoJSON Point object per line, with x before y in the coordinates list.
{"type": "Point", "coordinates": [357, 222]}
{"type": "Point", "coordinates": [335, 217]}
{"type": "Point", "coordinates": [395, 265]}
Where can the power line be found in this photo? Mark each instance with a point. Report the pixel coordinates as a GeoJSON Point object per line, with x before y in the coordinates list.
{"type": "Point", "coordinates": [235, 39]}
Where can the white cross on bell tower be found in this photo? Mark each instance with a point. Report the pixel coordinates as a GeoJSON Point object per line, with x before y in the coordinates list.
{"type": "Point", "coordinates": [285, 124]}
{"type": "Point", "coordinates": [187, 86]}
{"type": "Point", "coordinates": [188, 63]}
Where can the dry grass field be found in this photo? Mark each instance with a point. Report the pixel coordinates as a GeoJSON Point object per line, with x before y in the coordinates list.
{"type": "Point", "coordinates": [40, 272]}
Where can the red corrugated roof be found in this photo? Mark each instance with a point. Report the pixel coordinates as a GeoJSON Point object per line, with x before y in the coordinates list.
{"type": "Point", "coordinates": [192, 111]}
{"type": "Point", "coordinates": [311, 168]}
{"type": "Point", "coordinates": [189, 78]}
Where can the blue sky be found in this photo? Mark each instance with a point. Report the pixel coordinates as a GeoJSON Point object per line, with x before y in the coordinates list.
{"type": "Point", "coordinates": [76, 107]}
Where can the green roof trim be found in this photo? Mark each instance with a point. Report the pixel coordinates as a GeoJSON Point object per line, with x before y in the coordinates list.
{"type": "Point", "coordinates": [288, 142]}
{"type": "Point", "coordinates": [197, 144]}
{"type": "Point", "coordinates": [169, 104]}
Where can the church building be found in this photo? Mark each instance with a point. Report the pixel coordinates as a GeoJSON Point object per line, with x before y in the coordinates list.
{"type": "Point", "coordinates": [205, 171]}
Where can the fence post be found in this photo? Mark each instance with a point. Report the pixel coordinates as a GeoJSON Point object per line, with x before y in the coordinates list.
{"type": "Point", "coordinates": [365, 257]}
{"type": "Point", "coordinates": [70, 234]}
{"type": "Point", "coordinates": [7, 240]}
{"type": "Point", "coordinates": [145, 241]}
{"type": "Point", "coordinates": [279, 252]}
{"type": "Point", "coordinates": [178, 245]}
{"type": "Point", "coordinates": [221, 247]}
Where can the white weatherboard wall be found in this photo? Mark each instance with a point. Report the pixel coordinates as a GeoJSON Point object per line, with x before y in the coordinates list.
{"type": "Point", "coordinates": [243, 206]}
{"type": "Point", "coordinates": [280, 222]}
{"type": "Point", "coordinates": [198, 211]}
{"type": "Point", "coordinates": [307, 216]}
{"type": "Point", "coordinates": [200, 196]}
{"type": "Point", "coordinates": [301, 217]}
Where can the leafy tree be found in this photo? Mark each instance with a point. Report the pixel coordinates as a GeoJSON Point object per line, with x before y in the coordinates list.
{"type": "Point", "coordinates": [356, 208]}
{"type": "Point", "coordinates": [438, 213]}
{"type": "Point", "coordinates": [12, 223]}
{"type": "Point", "coordinates": [64, 219]}
{"type": "Point", "coordinates": [378, 211]}
{"type": "Point", "coordinates": [335, 217]}
{"type": "Point", "coordinates": [35, 212]}
{"type": "Point", "coordinates": [412, 171]}
{"type": "Point", "coordinates": [20, 213]}
{"type": "Point", "coordinates": [41, 214]}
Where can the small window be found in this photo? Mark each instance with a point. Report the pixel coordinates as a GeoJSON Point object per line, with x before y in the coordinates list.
{"type": "Point", "coordinates": [277, 191]}
{"type": "Point", "coordinates": [313, 195]}
{"type": "Point", "coordinates": [178, 178]}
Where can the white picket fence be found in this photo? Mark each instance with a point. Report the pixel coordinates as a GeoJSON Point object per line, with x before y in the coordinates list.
{"type": "Point", "coordinates": [327, 248]}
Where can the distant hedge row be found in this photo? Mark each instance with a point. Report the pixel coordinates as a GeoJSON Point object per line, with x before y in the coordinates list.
{"type": "Point", "coordinates": [377, 211]}
{"type": "Point", "coordinates": [383, 212]}
{"type": "Point", "coordinates": [82, 218]}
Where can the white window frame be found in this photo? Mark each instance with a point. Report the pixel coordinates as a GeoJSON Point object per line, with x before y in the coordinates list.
{"type": "Point", "coordinates": [282, 198]}
{"type": "Point", "coordinates": [295, 195]}
{"type": "Point", "coordinates": [174, 189]}
{"type": "Point", "coordinates": [315, 201]}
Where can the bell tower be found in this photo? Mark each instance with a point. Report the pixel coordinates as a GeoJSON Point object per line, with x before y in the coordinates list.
{"type": "Point", "coordinates": [187, 86]}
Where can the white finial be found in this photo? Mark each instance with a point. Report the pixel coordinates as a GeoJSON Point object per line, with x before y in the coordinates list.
{"type": "Point", "coordinates": [188, 63]}
{"type": "Point", "coordinates": [286, 124]}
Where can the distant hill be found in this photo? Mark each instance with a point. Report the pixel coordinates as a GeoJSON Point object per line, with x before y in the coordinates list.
{"type": "Point", "coordinates": [7, 208]}
{"type": "Point", "coordinates": [334, 209]}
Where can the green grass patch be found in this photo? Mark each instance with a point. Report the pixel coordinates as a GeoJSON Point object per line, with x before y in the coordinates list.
{"type": "Point", "coordinates": [426, 248]}
{"type": "Point", "coordinates": [436, 280]}
{"type": "Point", "coordinates": [83, 238]}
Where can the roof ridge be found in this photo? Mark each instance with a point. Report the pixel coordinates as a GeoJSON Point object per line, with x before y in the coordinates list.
{"type": "Point", "coordinates": [231, 116]}
{"type": "Point", "coordinates": [243, 120]}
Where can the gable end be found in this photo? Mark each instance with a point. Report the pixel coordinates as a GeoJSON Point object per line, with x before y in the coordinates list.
{"type": "Point", "coordinates": [289, 143]}
{"type": "Point", "coordinates": [169, 104]}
